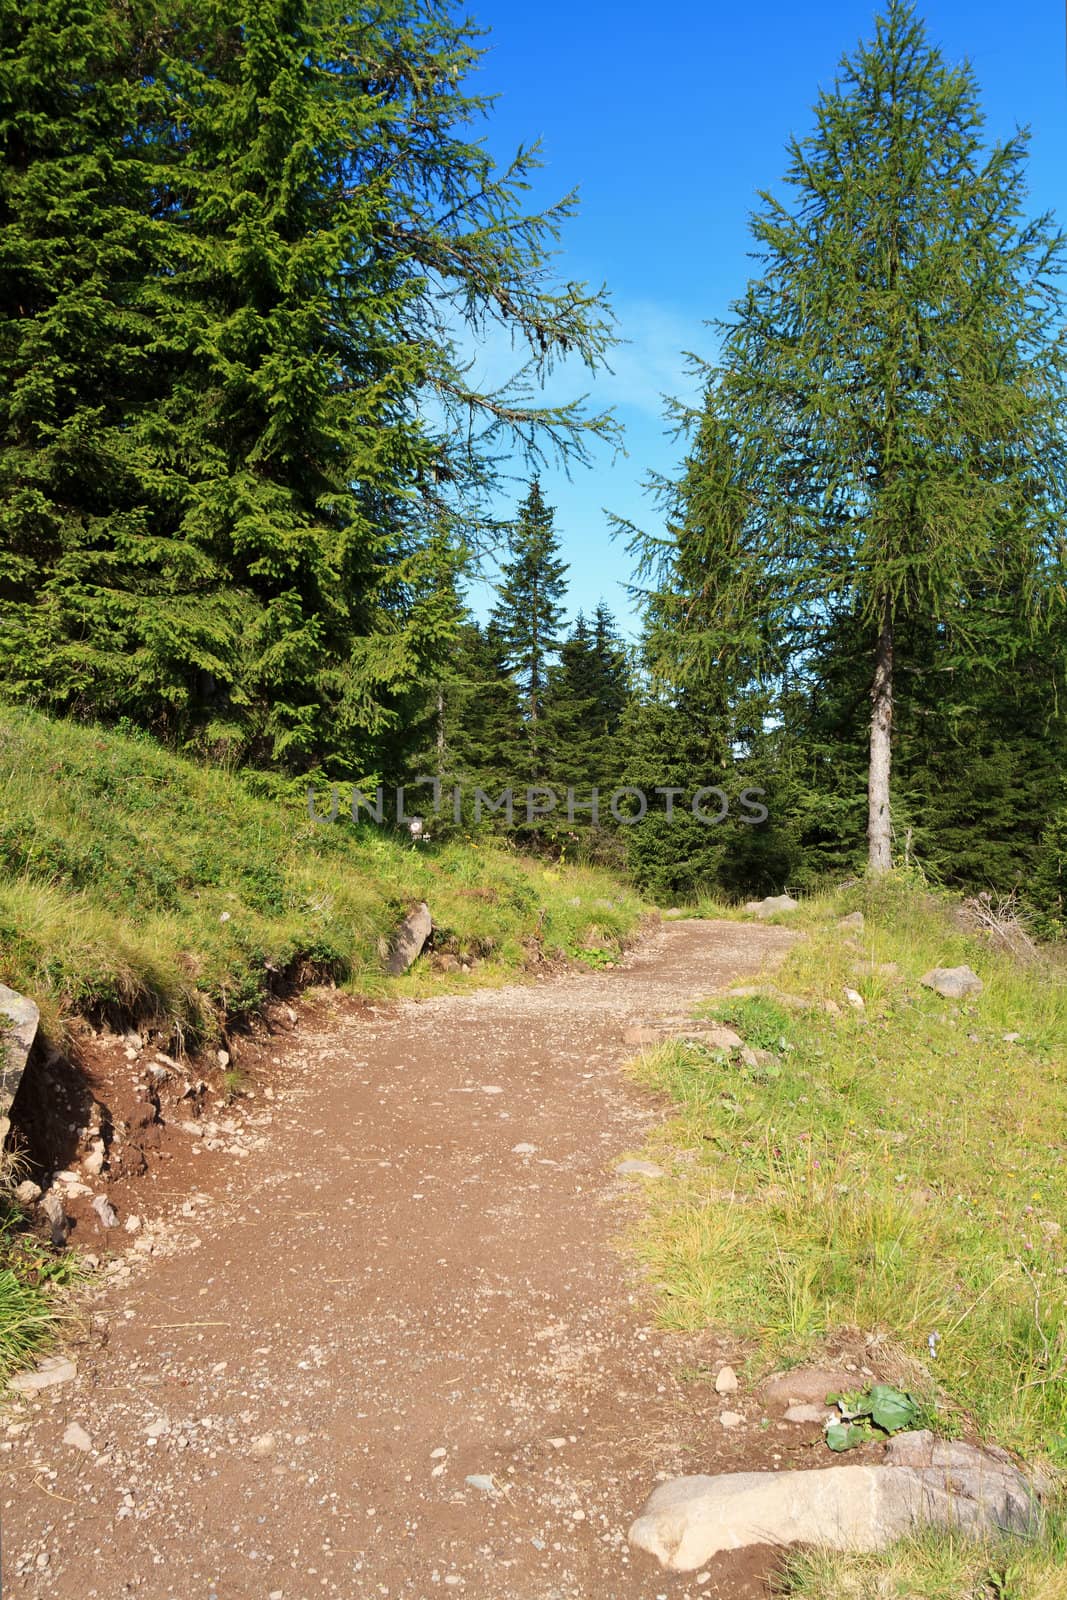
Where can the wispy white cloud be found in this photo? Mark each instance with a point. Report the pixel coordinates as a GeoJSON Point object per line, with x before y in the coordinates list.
{"type": "Point", "coordinates": [647, 367]}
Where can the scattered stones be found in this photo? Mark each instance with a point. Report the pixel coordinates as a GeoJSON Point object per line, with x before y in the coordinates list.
{"type": "Point", "coordinates": [731, 1419]}
{"type": "Point", "coordinates": [955, 983]}
{"type": "Point", "coordinates": [726, 1381]}
{"type": "Point", "coordinates": [49, 1371]}
{"type": "Point", "coordinates": [409, 939]}
{"type": "Point", "coordinates": [771, 905]}
{"type": "Point", "coordinates": [27, 1193]}
{"type": "Point", "coordinates": [636, 1168]}
{"type": "Point", "coordinates": [805, 1386]}
{"type": "Point", "coordinates": [52, 1206]}
{"type": "Point", "coordinates": [642, 1036]}
{"type": "Point", "coordinates": [105, 1211]}
{"type": "Point", "coordinates": [808, 1413]}
{"type": "Point", "coordinates": [483, 1481]}
{"type": "Point", "coordinates": [76, 1436]}
{"type": "Point", "coordinates": [688, 1520]}
{"type": "Point", "coordinates": [719, 1037]}
{"type": "Point", "coordinates": [854, 921]}
{"type": "Point", "coordinates": [93, 1163]}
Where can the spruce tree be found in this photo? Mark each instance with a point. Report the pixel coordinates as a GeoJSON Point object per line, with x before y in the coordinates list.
{"type": "Point", "coordinates": [244, 241]}
{"type": "Point", "coordinates": [882, 441]}
{"type": "Point", "coordinates": [529, 610]}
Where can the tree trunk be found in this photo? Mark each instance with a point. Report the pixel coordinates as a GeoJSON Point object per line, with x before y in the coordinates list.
{"type": "Point", "coordinates": [879, 822]}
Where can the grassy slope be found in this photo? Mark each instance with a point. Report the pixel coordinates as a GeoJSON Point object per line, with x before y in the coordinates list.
{"type": "Point", "coordinates": [135, 885]}
{"type": "Point", "coordinates": [138, 884]}
{"type": "Point", "coordinates": [899, 1171]}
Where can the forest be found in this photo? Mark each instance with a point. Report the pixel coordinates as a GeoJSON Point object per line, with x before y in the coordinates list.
{"type": "Point", "coordinates": [247, 476]}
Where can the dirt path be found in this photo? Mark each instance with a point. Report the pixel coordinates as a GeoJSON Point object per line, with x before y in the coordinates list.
{"type": "Point", "coordinates": [392, 1293]}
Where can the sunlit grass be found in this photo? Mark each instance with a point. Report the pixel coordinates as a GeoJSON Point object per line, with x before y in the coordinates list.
{"type": "Point", "coordinates": [898, 1171]}
{"type": "Point", "coordinates": [138, 885]}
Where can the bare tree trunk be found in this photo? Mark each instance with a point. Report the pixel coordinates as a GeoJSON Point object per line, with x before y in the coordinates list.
{"type": "Point", "coordinates": [879, 822]}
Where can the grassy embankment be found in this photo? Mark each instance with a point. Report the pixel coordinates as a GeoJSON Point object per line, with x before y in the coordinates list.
{"type": "Point", "coordinates": [899, 1171]}
{"type": "Point", "coordinates": [139, 887]}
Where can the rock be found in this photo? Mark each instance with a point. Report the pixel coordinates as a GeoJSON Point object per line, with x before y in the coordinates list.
{"type": "Point", "coordinates": [19, 1019]}
{"type": "Point", "coordinates": [639, 1169]}
{"type": "Point", "coordinates": [52, 1206]}
{"type": "Point", "coordinates": [717, 1036]}
{"type": "Point", "coordinates": [642, 1036]}
{"type": "Point", "coordinates": [772, 905]}
{"type": "Point", "coordinates": [731, 1419]}
{"type": "Point", "coordinates": [853, 920]}
{"type": "Point", "coordinates": [264, 1445]}
{"type": "Point", "coordinates": [523, 1149]}
{"type": "Point", "coordinates": [806, 1386]}
{"type": "Point", "coordinates": [105, 1211]}
{"type": "Point", "coordinates": [27, 1193]}
{"type": "Point", "coordinates": [49, 1371]}
{"type": "Point", "coordinates": [409, 939]}
{"type": "Point", "coordinates": [481, 1480]}
{"type": "Point", "coordinates": [93, 1163]}
{"type": "Point", "coordinates": [1011, 1038]}
{"type": "Point", "coordinates": [955, 983]}
{"type": "Point", "coordinates": [855, 999]}
{"type": "Point", "coordinates": [688, 1520]}
{"type": "Point", "coordinates": [76, 1436]}
{"type": "Point", "coordinates": [448, 963]}
{"type": "Point", "coordinates": [808, 1413]}
{"type": "Point", "coordinates": [726, 1381]}
{"type": "Point", "coordinates": [831, 1008]}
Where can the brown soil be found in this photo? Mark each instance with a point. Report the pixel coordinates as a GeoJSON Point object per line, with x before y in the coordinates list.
{"type": "Point", "coordinates": [290, 1369]}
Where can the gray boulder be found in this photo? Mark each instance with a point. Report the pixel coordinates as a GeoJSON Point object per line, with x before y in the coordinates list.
{"type": "Point", "coordinates": [773, 904]}
{"type": "Point", "coordinates": [955, 983]}
{"type": "Point", "coordinates": [409, 939]}
{"type": "Point", "coordinates": [689, 1520]}
{"type": "Point", "coordinates": [19, 1019]}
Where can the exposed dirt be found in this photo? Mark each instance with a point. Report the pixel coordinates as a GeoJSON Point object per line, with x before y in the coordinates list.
{"type": "Point", "coordinates": [290, 1368]}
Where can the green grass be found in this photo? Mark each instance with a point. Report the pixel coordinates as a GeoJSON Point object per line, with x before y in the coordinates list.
{"type": "Point", "coordinates": [137, 885]}
{"type": "Point", "coordinates": [898, 1171]}
{"type": "Point", "coordinates": [29, 1276]}
{"type": "Point", "coordinates": [935, 1566]}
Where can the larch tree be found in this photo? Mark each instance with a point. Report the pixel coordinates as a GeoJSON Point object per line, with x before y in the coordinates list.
{"type": "Point", "coordinates": [881, 447]}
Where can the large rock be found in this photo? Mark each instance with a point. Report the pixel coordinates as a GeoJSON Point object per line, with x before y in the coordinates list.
{"type": "Point", "coordinates": [19, 1019]}
{"type": "Point", "coordinates": [773, 904]}
{"type": "Point", "coordinates": [955, 983]}
{"type": "Point", "coordinates": [689, 1520]}
{"type": "Point", "coordinates": [410, 937]}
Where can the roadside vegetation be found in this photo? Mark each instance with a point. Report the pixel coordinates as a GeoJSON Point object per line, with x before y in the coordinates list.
{"type": "Point", "coordinates": [896, 1170]}
{"type": "Point", "coordinates": [935, 1566]}
{"type": "Point", "coordinates": [141, 886]}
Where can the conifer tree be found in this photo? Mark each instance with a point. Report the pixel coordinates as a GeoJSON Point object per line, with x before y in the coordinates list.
{"type": "Point", "coordinates": [882, 442]}
{"type": "Point", "coordinates": [529, 609]}
{"type": "Point", "coordinates": [243, 241]}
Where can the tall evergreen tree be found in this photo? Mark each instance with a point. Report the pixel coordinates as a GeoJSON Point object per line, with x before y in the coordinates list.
{"type": "Point", "coordinates": [242, 242]}
{"type": "Point", "coordinates": [529, 609]}
{"type": "Point", "coordinates": [882, 444]}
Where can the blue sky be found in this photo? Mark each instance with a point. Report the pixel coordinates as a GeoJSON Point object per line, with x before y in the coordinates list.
{"type": "Point", "coordinates": [669, 119]}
